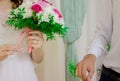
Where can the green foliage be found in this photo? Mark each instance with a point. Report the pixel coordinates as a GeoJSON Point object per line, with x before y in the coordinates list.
{"type": "Point", "coordinates": [108, 47]}
{"type": "Point", "coordinates": [50, 28]}
{"type": "Point", "coordinates": [72, 69]}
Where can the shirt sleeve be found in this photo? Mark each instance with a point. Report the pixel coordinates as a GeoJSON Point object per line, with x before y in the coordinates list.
{"type": "Point", "coordinates": [104, 28]}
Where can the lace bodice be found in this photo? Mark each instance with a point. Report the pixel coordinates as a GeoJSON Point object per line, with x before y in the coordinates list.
{"type": "Point", "coordinates": [7, 34]}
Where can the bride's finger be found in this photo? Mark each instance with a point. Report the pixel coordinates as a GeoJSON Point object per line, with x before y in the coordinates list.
{"type": "Point", "coordinates": [37, 33]}
{"type": "Point", "coordinates": [33, 38]}
{"type": "Point", "coordinates": [9, 49]}
{"type": "Point", "coordinates": [6, 53]}
{"type": "Point", "coordinates": [34, 43]}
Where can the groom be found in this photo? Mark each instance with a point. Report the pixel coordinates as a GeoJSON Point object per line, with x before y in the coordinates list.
{"type": "Point", "coordinates": [108, 30]}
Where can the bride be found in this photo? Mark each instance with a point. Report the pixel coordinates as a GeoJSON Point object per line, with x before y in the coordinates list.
{"type": "Point", "coordinates": [16, 63]}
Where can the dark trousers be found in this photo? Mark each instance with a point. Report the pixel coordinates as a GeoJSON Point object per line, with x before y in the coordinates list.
{"type": "Point", "coordinates": [104, 78]}
{"type": "Point", "coordinates": [109, 75]}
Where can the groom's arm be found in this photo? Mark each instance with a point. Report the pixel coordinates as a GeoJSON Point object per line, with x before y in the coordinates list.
{"type": "Point", "coordinates": [86, 67]}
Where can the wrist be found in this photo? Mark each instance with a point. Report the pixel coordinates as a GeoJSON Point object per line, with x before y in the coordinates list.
{"type": "Point", "coordinates": [90, 56]}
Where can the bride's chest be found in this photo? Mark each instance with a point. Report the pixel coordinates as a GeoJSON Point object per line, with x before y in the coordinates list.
{"type": "Point", "coordinates": [8, 34]}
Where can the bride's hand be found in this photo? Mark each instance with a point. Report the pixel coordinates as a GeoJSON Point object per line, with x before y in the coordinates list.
{"type": "Point", "coordinates": [35, 40]}
{"type": "Point", "coordinates": [6, 50]}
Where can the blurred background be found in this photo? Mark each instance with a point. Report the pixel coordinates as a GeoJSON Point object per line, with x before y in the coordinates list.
{"type": "Point", "coordinates": [80, 17]}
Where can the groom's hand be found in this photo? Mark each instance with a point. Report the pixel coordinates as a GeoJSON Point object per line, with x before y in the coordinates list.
{"type": "Point", "coordinates": [85, 68]}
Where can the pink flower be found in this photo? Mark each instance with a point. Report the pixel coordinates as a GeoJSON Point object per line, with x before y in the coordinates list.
{"type": "Point", "coordinates": [47, 2]}
{"type": "Point", "coordinates": [36, 8]}
{"type": "Point", "coordinates": [58, 13]}
{"type": "Point", "coordinates": [43, 4]}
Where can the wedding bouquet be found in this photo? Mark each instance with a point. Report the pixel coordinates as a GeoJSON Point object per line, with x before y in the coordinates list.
{"type": "Point", "coordinates": [41, 16]}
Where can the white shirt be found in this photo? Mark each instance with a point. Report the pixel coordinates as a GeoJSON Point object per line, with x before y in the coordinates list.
{"type": "Point", "coordinates": [108, 31]}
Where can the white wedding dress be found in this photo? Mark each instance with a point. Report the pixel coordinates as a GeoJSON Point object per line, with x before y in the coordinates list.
{"type": "Point", "coordinates": [18, 66]}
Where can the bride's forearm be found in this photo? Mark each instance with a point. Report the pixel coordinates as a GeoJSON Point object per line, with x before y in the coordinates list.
{"type": "Point", "coordinates": [37, 55]}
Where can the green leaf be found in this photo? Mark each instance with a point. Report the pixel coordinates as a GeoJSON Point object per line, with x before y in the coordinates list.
{"type": "Point", "coordinates": [108, 47]}
{"type": "Point", "coordinates": [72, 69]}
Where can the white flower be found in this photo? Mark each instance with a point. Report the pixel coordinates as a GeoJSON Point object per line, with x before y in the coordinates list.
{"type": "Point", "coordinates": [56, 19]}
{"type": "Point", "coordinates": [48, 11]}
{"type": "Point", "coordinates": [45, 17]}
{"type": "Point", "coordinates": [28, 11]}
